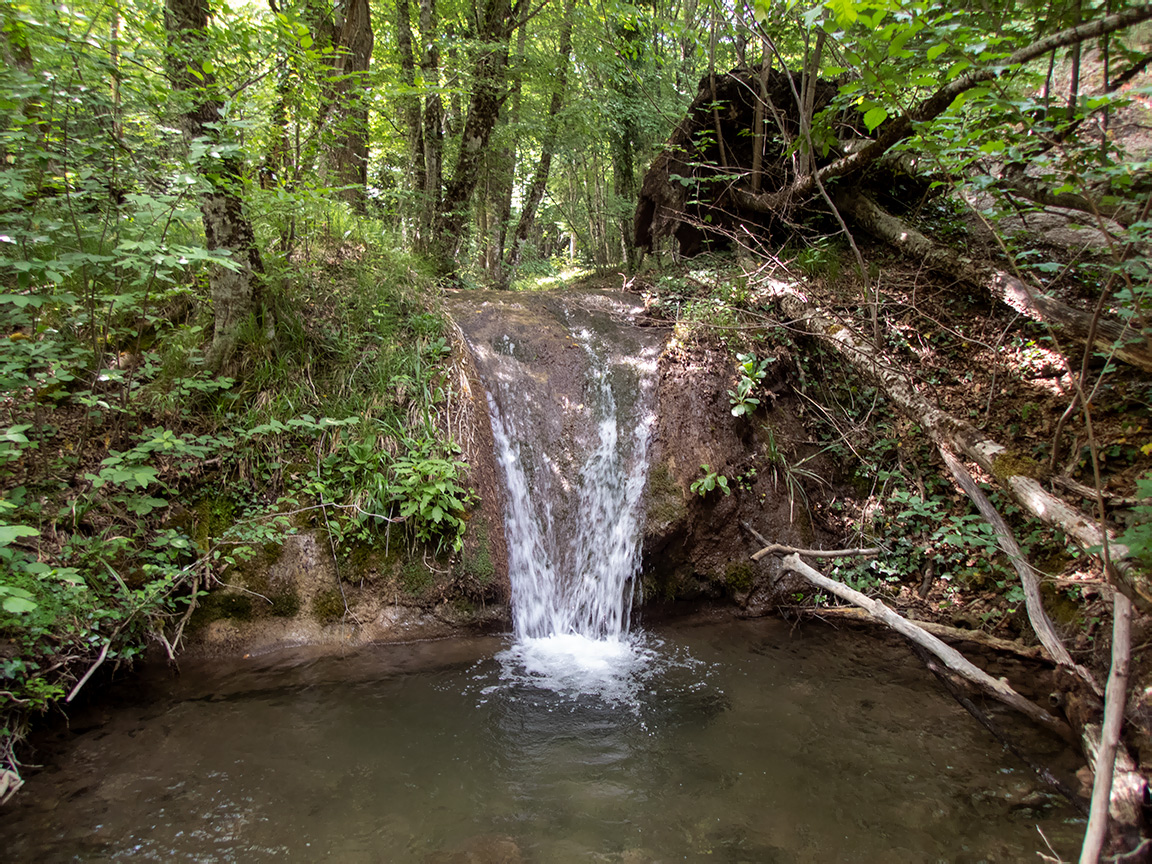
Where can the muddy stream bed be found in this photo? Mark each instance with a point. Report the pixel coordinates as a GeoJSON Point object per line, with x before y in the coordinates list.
{"type": "Point", "coordinates": [736, 741]}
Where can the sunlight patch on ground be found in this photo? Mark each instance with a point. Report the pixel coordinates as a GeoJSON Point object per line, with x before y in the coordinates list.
{"type": "Point", "coordinates": [556, 280]}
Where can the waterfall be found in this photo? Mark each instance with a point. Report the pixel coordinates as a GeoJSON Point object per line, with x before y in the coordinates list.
{"type": "Point", "coordinates": [571, 393]}
{"type": "Point", "coordinates": [573, 531]}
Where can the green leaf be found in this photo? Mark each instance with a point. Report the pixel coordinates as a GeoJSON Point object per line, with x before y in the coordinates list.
{"type": "Point", "coordinates": [936, 50]}
{"type": "Point", "coordinates": [10, 533]}
{"type": "Point", "coordinates": [844, 10]}
{"type": "Point", "coordinates": [19, 605]}
{"type": "Point", "coordinates": [873, 117]}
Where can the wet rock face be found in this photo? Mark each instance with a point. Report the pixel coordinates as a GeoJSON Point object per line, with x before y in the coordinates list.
{"type": "Point", "coordinates": [695, 547]}
{"type": "Point", "coordinates": [570, 384]}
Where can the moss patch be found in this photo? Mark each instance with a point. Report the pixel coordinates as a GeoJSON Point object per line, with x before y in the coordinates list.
{"type": "Point", "coordinates": [328, 606]}
{"type": "Point", "coordinates": [1065, 612]}
{"type": "Point", "coordinates": [666, 504]}
{"type": "Point", "coordinates": [1013, 464]}
{"type": "Point", "coordinates": [221, 605]}
{"type": "Point", "coordinates": [214, 514]}
{"type": "Point", "coordinates": [476, 564]}
{"type": "Point", "coordinates": [285, 604]}
{"type": "Point", "coordinates": [415, 578]}
{"type": "Point", "coordinates": [738, 576]}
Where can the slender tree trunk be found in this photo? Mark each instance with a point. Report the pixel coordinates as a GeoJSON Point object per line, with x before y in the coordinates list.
{"type": "Point", "coordinates": [346, 148]}
{"type": "Point", "coordinates": [540, 179]}
{"type": "Point", "coordinates": [433, 125]}
{"type": "Point", "coordinates": [502, 172]}
{"type": "Point", "coordinates": [226, 226]}
{"type": "Point", "coordinates": [496, 25]}
{"type": "Point", "coordinates": [410, 116]}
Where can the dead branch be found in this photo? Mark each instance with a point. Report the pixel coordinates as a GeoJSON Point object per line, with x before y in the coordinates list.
{"type": "Point", "coordinates": [91, 669]}
{"type": "Point", "coordinates": [1103, 794]}
{"type": "Point", "coordinates": [1033, 602]}
{"type": "Point", "coordinates": [953, 659]}
{"type": "Point", "coordinates": [777, 549]}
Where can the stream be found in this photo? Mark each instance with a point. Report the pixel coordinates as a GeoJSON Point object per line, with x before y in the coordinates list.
{"type": "Point", "coordinates": [738, 741]}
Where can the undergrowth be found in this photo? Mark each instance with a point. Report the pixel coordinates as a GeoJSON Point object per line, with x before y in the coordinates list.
{"type": "Point", "coordinates": [133, 477]}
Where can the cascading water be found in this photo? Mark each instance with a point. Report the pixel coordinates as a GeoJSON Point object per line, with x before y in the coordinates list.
{"type": "Point", "coordinates": [571, 393]}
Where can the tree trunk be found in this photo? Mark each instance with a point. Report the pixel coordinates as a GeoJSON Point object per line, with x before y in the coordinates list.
{"type": "Point", "coordinates": [992, 457]}
{"type": "Point", "coordinates": [540, 179]}
{"type": "Point", "coordinates": [347, 91]}
{"type": "Point", "coordinates": [226, 227]}
{"type": "Point", "coordinates": [496, 28]}
{"type": "Point", "coordinates": [502, 174]}
{"type": "Point", "coordinates": [433, 125]}
{"type": "Point", "coordinates": [416, 179]}
{"type": "Point", "coordinates": [1110, 337]}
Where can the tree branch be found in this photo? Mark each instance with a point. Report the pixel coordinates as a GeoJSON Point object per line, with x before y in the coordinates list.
{"type": "Point", "coordinates": [953, 659]}
{"type": "Point", "coordinates": [899, 128]}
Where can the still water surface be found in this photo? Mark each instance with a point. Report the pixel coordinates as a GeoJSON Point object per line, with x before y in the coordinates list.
{"type": "Point", "coordinates": [732, 742]}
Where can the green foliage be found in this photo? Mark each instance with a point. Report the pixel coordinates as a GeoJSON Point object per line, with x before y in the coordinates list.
{"type": "Point", "coordinates": [1137, 533]}
{"type": "Point", "coordinates": [711, 480]}
{"type": "Point", "coordinates": [752, 372]}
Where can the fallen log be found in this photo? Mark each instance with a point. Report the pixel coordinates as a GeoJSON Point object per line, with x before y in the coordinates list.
{"type": "Point", "coordinates": [1110, 337]}
{"type": "Point", "coordinates": [950, 657]}
{"type": "Point", "coordinates": [1009, 469]}
{"type": "Point", "coordinates": [948, 634]}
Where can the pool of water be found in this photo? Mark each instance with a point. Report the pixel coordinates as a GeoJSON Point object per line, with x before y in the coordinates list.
{"type": "Point", "coordinates": [730, 742]}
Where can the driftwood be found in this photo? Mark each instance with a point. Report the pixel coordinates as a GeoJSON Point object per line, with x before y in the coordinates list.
{"type": "Point", "coordinates": [992, 457]}
{"type": "Point", "coordinates": [1108, 336]}
{"type": "Point", "coordinates": [949, 656]}
{"type": "Point", "coordinates": [1033, 602]}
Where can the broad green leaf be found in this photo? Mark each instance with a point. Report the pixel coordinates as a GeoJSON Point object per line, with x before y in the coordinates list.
{"type": "Point", "coordinates": [19, 605]}
{"type": "Point", "coordinates": [844, 10]}
{"type": "Point", "coordinates": [10, 533]}
{"type": "Point", "coordinates": [873, 117]}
